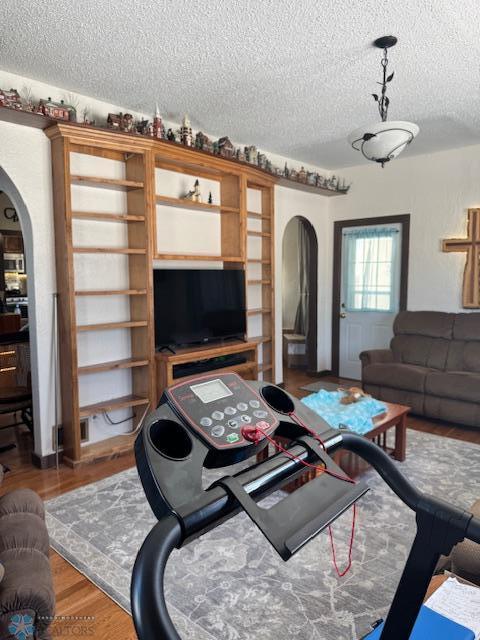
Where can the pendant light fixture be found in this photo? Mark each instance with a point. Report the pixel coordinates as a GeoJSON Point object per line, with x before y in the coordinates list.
{"type": "Point", "coordinates": [385, 140]}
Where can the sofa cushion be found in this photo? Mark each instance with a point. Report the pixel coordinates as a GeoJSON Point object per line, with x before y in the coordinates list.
{"type": "Point", "coordinates": [420, 350]}
{"type": "Point", "coordinates": [458, 385]}
{"type": "Point", "coordinates": [463, 356]}
{"type": "Point", "coordinates": [397, 376]}
{"type": "Point", "coordinates": [467, 326]}
{"type": "Point", "coordinates": [432, 324]}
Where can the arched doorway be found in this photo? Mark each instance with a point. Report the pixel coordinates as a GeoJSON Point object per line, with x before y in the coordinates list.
{"type": "Point", "coordinates": [300, 286]}
{"type": "Point", "coordinates": [17, 305]}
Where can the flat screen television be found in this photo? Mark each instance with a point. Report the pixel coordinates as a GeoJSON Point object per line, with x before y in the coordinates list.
{"type": "Point", "coordinates": [194, 306]}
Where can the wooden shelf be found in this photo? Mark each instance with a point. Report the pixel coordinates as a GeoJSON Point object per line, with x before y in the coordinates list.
{"type": "Point", "coordinates": [103, 450]}
{"type": "Point", "coordinates": [107, 217]}
{"type": "Point", "coordinates": [112, 405]}
{"type": "Point", "coordinates": [105, 326]}
{"type": "Point", "coordinates": [261, 339]}
{"type": "Point", "coordinates": [259, 261]}
{"type": "Point", "coordinates": [264, 367]}
{"type": "Point", "coordinates": [301, 186]}
{"type": "Point", "coordinates": [183, 203]}
{"type": "Point", "coordinates": [255, 312]}
{"type": "Point", "coordinates": [198, 163]}
{"type": "Point", "coordinates": [259, 282]}
{"type": "Point", "coordinates": [259, 234]}
{"type": "Point", "coordinates": [113, 183]}
{"type": "Point", "coordinates": [166, 361]}
{"type": "Point", "coordinates": [127, 363]}
{"type": "Point", "coordinates": [120, 250]}
{"type": "Point", "coordinates": [254, 214]}
{"type": "Point", "coordinates": [188, 256]}
{"type": "Point", "coordinates": [112, 292]}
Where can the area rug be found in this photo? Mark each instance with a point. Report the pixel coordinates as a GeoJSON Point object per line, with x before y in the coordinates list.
{"type": "Point", "coordinates": [231, 585]}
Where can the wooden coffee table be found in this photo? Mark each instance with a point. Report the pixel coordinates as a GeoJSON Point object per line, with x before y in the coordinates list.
{"type": "Point", "coordinates": [395, 417]}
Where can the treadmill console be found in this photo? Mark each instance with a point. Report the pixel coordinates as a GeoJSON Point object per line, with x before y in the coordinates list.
{"type": "Point", "coordinates": [218, 406]}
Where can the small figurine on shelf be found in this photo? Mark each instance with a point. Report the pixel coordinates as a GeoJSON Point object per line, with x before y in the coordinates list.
{"type": "Point", "coordinates": [261, 160]}
{"type": "Point", "coordinates": [27, 99]}
{"type": "Point", "coordinates": [332, 183]}
{"type": "Point", "coordinates": [194, 195]}
{"type": "Point", "coordinates": [293, 175]}
{"type": "Point", "coordinates": [251, 154]}
{"type": "Point", "coordinates": [320, 181]}
{"type": "Point", "coordinates": [210, 199]}
{"type": "Point", "coordinates": [186, 136]}
{"type": "Point", "coordinates": [268, 166]}
{"type": "Point", "coordinates": [157, 129]}
{"type": "Point", "coordinates": [311, 178]}
{"type": "Point", "coordinates": [171, 135]}
{"type": "Point", "coordinates": [203, 142]}
{"type": "Point", "coordinates": [302, 175]}
{"type": "Point", "coordinates": [142, 127]}
{"type": "Point", "coordinates": [120, 121]}
{"type": "Point", "coordinates": [10, 99]}
{"type": "Point", "coordinates": [241, 157]}
{"type": "Point", "coordinates": [57, 110]}
{"type": "Point", "coordinates": [225, 147]}
{"type": "Point", "coordinates": [344, 187]}
{"type": "Point", "coordinates": [85, 119]}
{"type": "Point", "coordinates": [286, 171]}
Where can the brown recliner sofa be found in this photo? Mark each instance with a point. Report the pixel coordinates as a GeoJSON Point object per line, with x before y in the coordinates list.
{"type": "Point", "coordinates": [27, 597]}
{"type": "Point", "coordinates": [433, 365]}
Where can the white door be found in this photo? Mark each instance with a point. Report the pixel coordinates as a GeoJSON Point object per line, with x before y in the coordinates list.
{"type": "Point", "coordinates": [370, 296]}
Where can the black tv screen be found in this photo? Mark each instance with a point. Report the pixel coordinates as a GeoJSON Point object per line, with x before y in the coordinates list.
{"type": "Point", "coordinates": [198, 305]}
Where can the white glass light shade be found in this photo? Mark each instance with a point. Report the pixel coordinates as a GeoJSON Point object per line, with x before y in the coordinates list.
{"type": "Point", "coordinates": [383, 141]}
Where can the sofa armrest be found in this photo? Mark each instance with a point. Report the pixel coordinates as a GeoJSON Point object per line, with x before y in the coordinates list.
{"type": "Point", "coordinates": [376, 356]}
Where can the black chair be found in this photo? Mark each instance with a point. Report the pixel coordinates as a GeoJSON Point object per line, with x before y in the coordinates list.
{"type": "Point", "coordinates": [15, 381]}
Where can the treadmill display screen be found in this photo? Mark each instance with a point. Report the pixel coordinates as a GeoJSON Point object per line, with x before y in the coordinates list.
{"type": "Point", "coordinates": [211, 391]}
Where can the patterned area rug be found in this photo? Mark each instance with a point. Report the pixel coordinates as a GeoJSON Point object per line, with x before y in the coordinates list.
{"type": "Point", "coordinates": [231, 585]}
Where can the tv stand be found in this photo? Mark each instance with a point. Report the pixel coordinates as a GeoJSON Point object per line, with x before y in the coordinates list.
{"type": "Point", "coordinates": [190, 355]}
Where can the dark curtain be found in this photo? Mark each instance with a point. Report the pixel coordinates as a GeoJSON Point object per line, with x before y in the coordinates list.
{"type": "Point", "coordinates": [304, 265]}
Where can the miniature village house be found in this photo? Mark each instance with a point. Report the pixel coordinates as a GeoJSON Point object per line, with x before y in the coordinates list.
{"type": "Point", "coordinates": [157, 129]}
{"type": "Point", "coordinates": [225, 147]}
{"type": "Point", "coordinates": [57, 110]}
{"type": "Point", "coordinates": [186, 136]}
{"type": "Point", "coordinates": [120, 121]}
{"type": "Point", "coordinates": [251, 154]}
{"type": "Point", "coordinates": [10, 99]}
{"type": "Point", "coordinates": [203, 142]}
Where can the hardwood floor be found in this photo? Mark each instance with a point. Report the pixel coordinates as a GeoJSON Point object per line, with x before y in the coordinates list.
{"type": "Point", "coordinates": [76, 595]}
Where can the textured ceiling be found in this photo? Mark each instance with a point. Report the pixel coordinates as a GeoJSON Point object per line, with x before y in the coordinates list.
{"type": "Point", "coordinates": [291, 77]}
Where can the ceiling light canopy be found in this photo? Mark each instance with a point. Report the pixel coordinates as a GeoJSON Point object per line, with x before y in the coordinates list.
{"type": "Point", "coordinates": [385, 140]}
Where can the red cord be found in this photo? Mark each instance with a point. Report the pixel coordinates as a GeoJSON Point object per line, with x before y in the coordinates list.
{"type": "Point", "coordinates": [254, 434]}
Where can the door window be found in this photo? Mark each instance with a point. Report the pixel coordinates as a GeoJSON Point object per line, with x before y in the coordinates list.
{"type": "Point", "coordinates": [372, 268]}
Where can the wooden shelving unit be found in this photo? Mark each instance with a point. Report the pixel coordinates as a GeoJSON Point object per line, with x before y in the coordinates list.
{"type": "Point", "coordinates": [140, 158]}
{"type": "Point", "coordinates": [262, 260]}
{"type": "Point", "coordinates": [140, 366]}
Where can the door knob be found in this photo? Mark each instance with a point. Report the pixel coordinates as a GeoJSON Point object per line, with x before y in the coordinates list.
{"type": "Point", "coordinates": [343, 314]}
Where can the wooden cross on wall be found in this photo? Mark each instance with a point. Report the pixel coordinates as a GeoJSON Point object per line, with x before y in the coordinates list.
{"type": "Point", "coordinates": [471, 246]}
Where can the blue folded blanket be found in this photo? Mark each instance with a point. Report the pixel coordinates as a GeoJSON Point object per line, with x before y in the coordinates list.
{"type": "Point", "coordinates": [357, 416]}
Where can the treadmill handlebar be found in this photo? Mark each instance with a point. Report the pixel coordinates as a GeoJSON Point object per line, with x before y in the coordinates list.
{"type": "Point", "coordinates": [150, 615]}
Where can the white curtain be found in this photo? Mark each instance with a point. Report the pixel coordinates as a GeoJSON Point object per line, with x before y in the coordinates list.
{"type": "Point", "coordinates": [371, 269]}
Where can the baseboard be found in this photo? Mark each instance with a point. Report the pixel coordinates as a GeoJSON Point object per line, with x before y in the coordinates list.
{"type": "Point", "coordinates": [46, 462]}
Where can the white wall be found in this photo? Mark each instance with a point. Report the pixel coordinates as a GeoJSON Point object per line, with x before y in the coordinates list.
{"type": "Point", "coordinates": [436, 190]}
